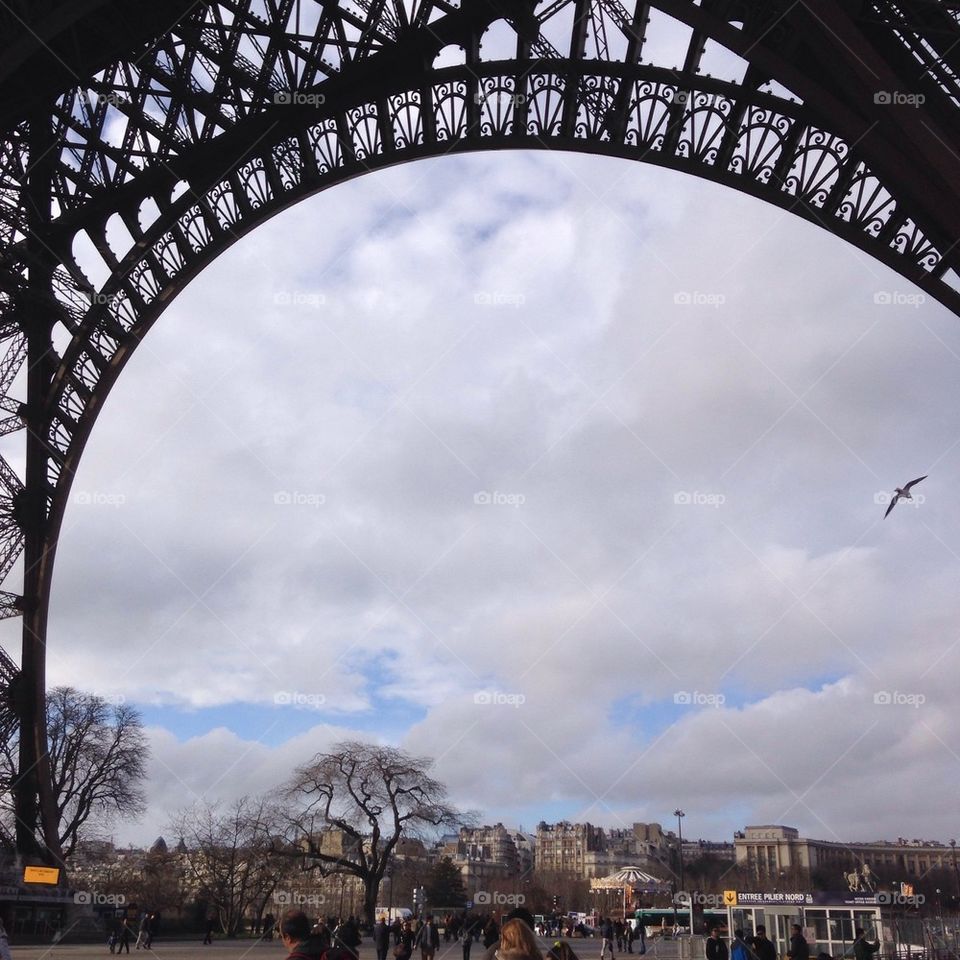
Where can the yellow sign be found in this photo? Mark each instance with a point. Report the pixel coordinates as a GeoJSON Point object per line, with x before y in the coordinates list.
{"type": "Point", "coordinates": [729, 898]}
{"type": "Point", "coordinates": [49, 875]}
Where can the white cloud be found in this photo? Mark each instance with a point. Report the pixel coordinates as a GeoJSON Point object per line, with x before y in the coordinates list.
{"type": "Point", "coordinates": [664, 337]}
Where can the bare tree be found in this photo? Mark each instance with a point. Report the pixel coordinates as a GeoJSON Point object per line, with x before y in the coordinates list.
{"type": "Point", "coordinates": [98, 753]}
{"type": "Point", "coordinates": [232, 863]}
{"type": "Point", "coordinates": [350, 807]}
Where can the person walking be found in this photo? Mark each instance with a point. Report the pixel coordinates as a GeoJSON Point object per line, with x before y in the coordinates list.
{"type": "Point", "coordinates": [606, 932]}
{"type": "Point", "coordinates": [208, 936]}
{"type": "Point", "coordinates": [469, 933]}
{"type": "Point", "coordinates": [428, 939]}
{"type": "Point", "coordinates": [381, 938]}
{"type": "Point", "coordinates": [142, 931]}
{"type": "Point", "coordinates": [404, 948]}
{"type": "Point", "coordinates": [126, 935]}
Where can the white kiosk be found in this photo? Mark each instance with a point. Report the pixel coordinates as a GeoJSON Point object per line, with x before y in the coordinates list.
{"type": "Point", "coordinates": [828, 920]}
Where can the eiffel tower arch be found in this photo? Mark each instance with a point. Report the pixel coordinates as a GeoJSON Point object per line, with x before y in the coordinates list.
{"type": "Point", "coordinates": [156, 135]}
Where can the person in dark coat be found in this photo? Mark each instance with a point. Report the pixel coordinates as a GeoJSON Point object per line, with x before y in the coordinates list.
{"type": "Point", "coordinates": [126, 935]}
{"type": "Point", "coordinates": [714, 948]}
{"type": "Point", "coordinates": [381, 938]}
{"type": "Point", "coordinates": [762, 946]}
{"type": "Point", "coordinates": [405, 946]}
{"type": "Point", "coordinates": [428, 939]}
{"type": "Point", "coordinates": [606, 932]}
{"type": "Point", "coordinates": [862, 948]}
{"type": "Point", "coordinates": [799, 949]}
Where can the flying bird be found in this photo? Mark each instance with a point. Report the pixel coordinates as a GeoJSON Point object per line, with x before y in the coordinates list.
{"type": "Point", "coordinates": [903, 492]}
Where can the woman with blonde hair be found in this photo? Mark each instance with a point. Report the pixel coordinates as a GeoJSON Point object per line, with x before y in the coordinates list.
{"type": "Point", "coordinates": [517, 942]}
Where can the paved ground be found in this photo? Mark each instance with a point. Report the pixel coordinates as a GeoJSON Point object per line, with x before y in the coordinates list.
{"type": "Point", "coordinates": [266, 950]}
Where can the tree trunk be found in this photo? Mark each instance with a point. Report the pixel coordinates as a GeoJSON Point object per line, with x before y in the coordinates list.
{"type": "Point", "coordinates": [371, 888]}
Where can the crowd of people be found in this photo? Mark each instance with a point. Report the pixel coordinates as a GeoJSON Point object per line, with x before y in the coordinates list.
{"type": "Point", "coordinates": [759, 946]}
{"type": "Point", "coordinates": [121, 933]}
{"type": "Point", "coordinates": [514, 939]}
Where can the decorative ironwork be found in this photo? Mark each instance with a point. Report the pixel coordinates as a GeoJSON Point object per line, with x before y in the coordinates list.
{"type": "Point", "coordinates": [177, 140]}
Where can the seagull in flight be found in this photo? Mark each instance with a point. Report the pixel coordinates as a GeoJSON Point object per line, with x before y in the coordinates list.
{"type": "Point", "coordinates": [904, 493]}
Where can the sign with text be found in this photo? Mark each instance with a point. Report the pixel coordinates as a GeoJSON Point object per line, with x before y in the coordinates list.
{"type": "Point", "coordinates": [49, 875]}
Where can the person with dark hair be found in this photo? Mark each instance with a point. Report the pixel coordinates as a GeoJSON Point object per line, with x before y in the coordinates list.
{"type": "Point", "coordinates": [428, 938]}
{"type": "Point", "coordinates": [862, 948]}
{"type": "Point", "coordinates": [126, 934]}
{"type": "Point", "coordinates": [381, 938]}
{"type": "Point", "coordinates": [404, 947]}
{"type": "Point", "coordinates": [606, 932]}
{"type": "Point", "coordinates": [469, 932]}
{"type": "Point", "coordinates": [296, 937]}
{"type": "Point", "coordinates": [714, 947]}
{"type": "Point", "coordinates": [799, 949]}
{"type": "Point", "coordinates": [738, 947]}
{"type": "Point", "coordinates": [762, 946]}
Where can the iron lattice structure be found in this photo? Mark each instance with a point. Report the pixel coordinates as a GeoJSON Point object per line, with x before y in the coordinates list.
{"type": "Point", "coordinates": [158, 137]}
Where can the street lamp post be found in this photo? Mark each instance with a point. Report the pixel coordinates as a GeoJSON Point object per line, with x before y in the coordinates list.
{"type": "Point", "coordinates": [679, 814]}
{"type": "Point", "coordinates": [956, 874]}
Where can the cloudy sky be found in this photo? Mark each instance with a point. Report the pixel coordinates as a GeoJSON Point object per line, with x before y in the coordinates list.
{"type": "Point", "coordinates": [567, 472]}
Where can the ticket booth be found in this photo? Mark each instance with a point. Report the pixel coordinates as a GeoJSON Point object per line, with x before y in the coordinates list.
{"type": "Point", "coordinates": [828, 920]}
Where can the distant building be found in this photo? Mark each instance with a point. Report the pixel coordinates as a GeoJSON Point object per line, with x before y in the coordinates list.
{"type": "Point", "coordinates": [582, 851]}
{"type": "Point", "coordinates": [772, 849]}
{"type": "Point", "coordinates": [484, 854]}
{"type": "Point", "coordinates": [564, 848]}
